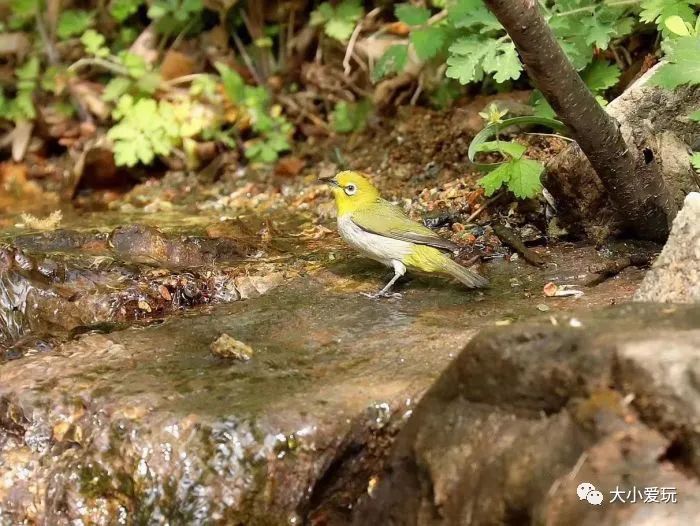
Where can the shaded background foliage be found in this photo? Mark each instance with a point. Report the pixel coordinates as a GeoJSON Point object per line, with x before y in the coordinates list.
{"type": "Point", "coordinates": [173, 81]}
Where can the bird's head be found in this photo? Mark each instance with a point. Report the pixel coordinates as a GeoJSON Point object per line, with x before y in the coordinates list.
{"type": "Point", "coordinates": [352, 191]}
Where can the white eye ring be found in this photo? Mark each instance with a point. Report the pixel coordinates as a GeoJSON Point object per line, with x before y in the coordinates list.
{"type": "Point", "coordinates": [350, 189]}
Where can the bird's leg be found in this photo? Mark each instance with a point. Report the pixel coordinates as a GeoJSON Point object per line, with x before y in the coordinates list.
{"type": "Point", "coordinates": [399, 270]}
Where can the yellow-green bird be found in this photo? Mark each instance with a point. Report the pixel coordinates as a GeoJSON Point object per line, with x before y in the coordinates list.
{"type": "Point", "coordinates": [381, 231]}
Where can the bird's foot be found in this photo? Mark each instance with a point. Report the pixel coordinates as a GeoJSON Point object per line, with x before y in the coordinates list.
{"type": "Point", "coordinates": [381, 294]}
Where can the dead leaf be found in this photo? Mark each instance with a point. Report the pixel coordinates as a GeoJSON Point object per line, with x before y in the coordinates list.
{"type": "Point", "coordinates": [397, 28]}
{"type": "Point", "coordinates": [176, 64]}
{"type": "Point", "coordinates": [289, 166]}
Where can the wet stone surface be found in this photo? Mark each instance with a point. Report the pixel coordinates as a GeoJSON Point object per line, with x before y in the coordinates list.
{"type": "Point", "coordinates": [145, 423]}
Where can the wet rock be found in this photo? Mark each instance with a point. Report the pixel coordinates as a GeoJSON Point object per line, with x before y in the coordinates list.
{"type": "Point", "coordinates": [675, 275]}
{"type": "Point", "coordinates": [147, 424]}
{"type": "Point", "coordinates": [229, 348]}
{"type": "Point", "coordinates": [527, 413]}
{"type": "Point", "coordinates": [145, 244]}
{"type": "Point", "coordinates": [48, 297]}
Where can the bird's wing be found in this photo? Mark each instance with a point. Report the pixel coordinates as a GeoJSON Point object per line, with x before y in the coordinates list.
{"type": "Point", "coordinates": [386, 219]}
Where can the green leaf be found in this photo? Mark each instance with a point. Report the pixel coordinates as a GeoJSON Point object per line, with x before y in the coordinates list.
{"type": "Point", "coordinates": [234, 86]}
{"type": "Point", "coordinates": [600, 76]}
{"type": "Point", "coordinates": [412, 15]}
{"type": "Point", "coordinates": [427, 41]}
{"type": "Point", "coordinates": [339, 22]}
{"type": "Point", "coordinates": [683, 64]}
{"type": "Point", "coordinates": [149, 82]}
{"type": "Point", "coordinates": [471, 57]}
{"type": "Point", "coordinates": [29, 71]}
{"type": "Point", "coordinates": [503, 63]}
{"type": "Point", "coordinates": [24, 8]}
{"type": "Point", "coordinates": [471, 14]}
{"type": "Point", "coordinates": [392, 61]}
{"type": "Point", "coordinates": [695, 116]}
{"type": "Point", "coordinates": [525, 178]}
{"type": "Point", "coordinates": [495, 179]}
{"type": "Point", "coordinates": [145, 129]}
{"type": "Point", "coordinates": [123, 9]}
{"type": "Point", "coordinates": [512, 149]}
{"type": "Point", "coordinates": [94, 43]}
{"type": "Point", "coordinates": [73, 22]}
{"type": "Point", "coordinates": [115, 88]}
{"type": "Point", "coordinates": [659, 10]}
{"type": "Point", "coordinates": [466, 55]}
{"type": "Point", "coordinates": [350, 117]}
{"type": "Point", "coordinates": [521, 176]}
{"type": "Point", "coordinates": [135, 64]}
{"type": "Point", "coordinates": [695, 161]}
{"type": "Point", "coordinates": [677, 26]}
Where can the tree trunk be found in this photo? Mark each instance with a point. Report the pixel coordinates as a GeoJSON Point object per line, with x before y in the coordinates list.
{"type": "Point", "coordinates": [631, 178]}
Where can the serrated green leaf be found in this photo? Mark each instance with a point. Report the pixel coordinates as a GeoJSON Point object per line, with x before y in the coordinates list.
{"type": "Point", "coordinates": [682, 66]}
{"type": "Point", "coordinates": [657, 11]}
{"type": "Point", "coordinates": [471, 57]}
{"type": "Point", "coordinates": [598, 33]}
{"type": "Point", "coordinates": [495, 179]}
{"type": "Point", "coordinates": [503, 62]}
{"type": "Point", "coordinates": [427, 41]}
{"type": "Point", "coordinates": [695, 161]}
{"type": "Point", "coordinates": [600, 76]}
{"type": "Point", "coordinates": [695, 116]}
{"type": "Point", "coordinates": [392, 61]}
{"type": "Point", "coordinates": [339, 21]}
{"type": "Point", "coordinates": [73, 22]}
{"type": "Point", "coordinates": [466, 55]}
{"type": "Point", "coordinates": [525, 178]}
{"type": "Point", "coordinates": [471, 14]}
{"type": "Point", "coordinates": [412, 15]}
{"type": "Point", "coordinates": [521, 176]}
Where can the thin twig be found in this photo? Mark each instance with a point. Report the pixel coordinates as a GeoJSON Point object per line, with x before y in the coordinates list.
{"type": "Point", "coordinates": [483, 207]}
{"type": "Point", "coordinates": [184, 79]}
{"type": "Point", "coordinates": [103, 63]}
{"type": "Point", "coordinates": [246, 59]}
{"type": "Point", "coordinates": [350, 47]}
{"type": "Point", "coordinates": [416, 94]}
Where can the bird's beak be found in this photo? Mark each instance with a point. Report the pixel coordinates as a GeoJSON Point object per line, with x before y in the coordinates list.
{"type": "Point", "coordinates": [333, 182]}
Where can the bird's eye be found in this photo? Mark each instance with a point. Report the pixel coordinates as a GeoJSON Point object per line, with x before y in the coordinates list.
{"type": "Point", "coordinates": [351, 189]}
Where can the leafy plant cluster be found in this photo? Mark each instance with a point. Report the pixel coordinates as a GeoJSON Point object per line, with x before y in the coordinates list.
{"type": "Point", "coordinates": [146, 116]}
{"type": "Point", "coordinates": [465, 39]}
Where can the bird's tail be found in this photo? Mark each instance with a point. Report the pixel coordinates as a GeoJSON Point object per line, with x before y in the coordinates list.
{"type": "Point", "coordinates": [466, 276]}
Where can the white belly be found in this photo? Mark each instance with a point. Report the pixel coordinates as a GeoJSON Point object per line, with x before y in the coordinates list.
{"type": "Point", "coordinates": [380, 248]}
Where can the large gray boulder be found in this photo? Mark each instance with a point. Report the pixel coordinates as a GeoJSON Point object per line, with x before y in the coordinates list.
{"type": "Point", "coordinates": [675, 275]}
{"type": "Point", "coordinates": [527, 413]}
